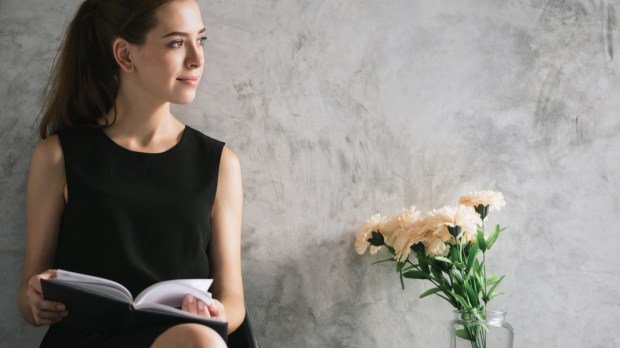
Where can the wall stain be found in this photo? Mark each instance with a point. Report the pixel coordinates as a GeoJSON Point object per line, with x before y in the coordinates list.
{"type": "Point", "coordinates": [564, 11]}
{"type": "Point", "coordinates": [611, 26]}
{"type": "Point", "coordinates": [301, 41]}
{"type": "Point", "coordinates": [244, 89]}
{"type": "Point", "coordinates": [580, 133]}
{"type": "Point", "coordinates": [544, 96]}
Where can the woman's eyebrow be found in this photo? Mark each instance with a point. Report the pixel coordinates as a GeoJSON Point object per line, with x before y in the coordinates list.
{"type": "Point", "coordinates": [180, 33]}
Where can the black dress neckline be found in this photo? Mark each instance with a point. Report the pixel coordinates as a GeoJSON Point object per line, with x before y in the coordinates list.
{"type": "Point", "coordinates": [141, 153]}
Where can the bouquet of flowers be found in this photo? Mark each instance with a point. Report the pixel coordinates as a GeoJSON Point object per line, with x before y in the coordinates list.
{"type": "Point", "coordinates": [449, 245]}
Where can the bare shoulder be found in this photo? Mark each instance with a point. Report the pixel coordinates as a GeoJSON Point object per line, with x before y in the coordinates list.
{"type": "Point", "coordinates": [229, 162]}
{"type": "Point", "coordinates": [48, 154]}
{"type": "Point", "coordinates": [48, 164]}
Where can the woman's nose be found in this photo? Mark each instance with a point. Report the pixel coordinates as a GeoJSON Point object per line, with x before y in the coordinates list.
{"type": "Point", "coordinates": [195, 56]}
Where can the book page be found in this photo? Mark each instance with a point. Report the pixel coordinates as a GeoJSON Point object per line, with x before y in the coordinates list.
{"type": "Point", "coordinates": [99, 285]}
{"type": "Point", "coordinates": [172, 292]}
{"type": "Point", "coordinates": [158, 308]}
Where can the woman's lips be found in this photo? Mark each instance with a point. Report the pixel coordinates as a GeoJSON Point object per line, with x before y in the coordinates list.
{"type": "Point", "coordinates": [189, 80]}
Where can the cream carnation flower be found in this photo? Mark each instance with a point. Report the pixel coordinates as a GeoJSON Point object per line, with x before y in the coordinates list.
{"type": "Point", "coordinates": [413, 232]}
{"type": "Point", "coordinates": [434, 246]}
{"type": "Point", "coordinates": [393, 227]}
{"type": "Point", "coordinates": [374, 223]}
{"type": "Point", "coordinates": [495, 200]}
{"type": "Point", "coordinates": [462, 216]}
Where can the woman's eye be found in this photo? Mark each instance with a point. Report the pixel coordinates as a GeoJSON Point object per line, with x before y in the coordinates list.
{"type": "Point", "coordinates": [202, 41]}
{"type": "Point", "coordinates": [176, 44]}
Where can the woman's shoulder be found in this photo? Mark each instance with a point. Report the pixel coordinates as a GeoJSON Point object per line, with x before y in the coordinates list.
{"type": "Point", "coordinates": [229, 159]}
{"type": "Point", "coordinates": [48, 153]}
{"type": "Point", "coordinates": [49, 147]}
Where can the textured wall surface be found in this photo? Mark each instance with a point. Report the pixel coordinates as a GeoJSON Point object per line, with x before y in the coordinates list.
{"type": "Point", "coordinates": [340, 109]}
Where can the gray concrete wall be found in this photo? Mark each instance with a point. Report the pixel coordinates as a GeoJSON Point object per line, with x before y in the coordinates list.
{"type": "Point", "coordinates": [340, 109]}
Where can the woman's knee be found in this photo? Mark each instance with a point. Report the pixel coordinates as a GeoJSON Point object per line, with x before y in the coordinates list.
{"type": "Point", "coordinates": [189, 336]}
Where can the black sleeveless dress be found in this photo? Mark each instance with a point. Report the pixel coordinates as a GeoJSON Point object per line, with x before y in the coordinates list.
{"type": "Point", "coordinates": [136, 218]}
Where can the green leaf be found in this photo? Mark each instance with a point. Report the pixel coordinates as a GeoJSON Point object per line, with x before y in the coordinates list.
{"type": "Point", "coordinates": [460, 299]}
{"type": "Point", "coordinates": [402, 282]}
{"type": "Point", "coordinates": [464, 334]}
{"type": "Point", "coordinates": [492, 279]}
{"type": "Point", "coordinates": [424, 267]}
{"type": "Point", "coordinates": [416, 275]}
{"type": "Point", "coordinates": [490, 294]}
{"type": "Point", "coordinates": [494, 295]}
{"type": "Point", "coordinates": [476, 268]}
{"type": "Point", "coordinates": [408, 267]}
{"type": "Point", "coordinates": [392, 251]}
{"type": "Point", "coordinates": [456, 275]}
{"type": "Point", "coordinates": [451, 301]}
{"type": "Point", "coordinates": [423, 258]}
{"type": "Point", "coordinates": [472, 294]}
{"type": "Point", "coordinates": [441, 258]}
{"type": "Point", "coordinates": [479, 276]}
{"type": "Point", "coordinates": [386, 260]}
{"type": "Point", "coordinates": [496, 284]}
{"type": "Point", "coordinates": [399, 266]}
{"type": "Point", "coordinates": [436, 271]}
{"type": "Point", "coordinates": [454, 255]}
{"type": "Point", "coordinates": [423, 261]}
{"type": "Point", "coordinates": [473, 252]}
{"type": "Point", "coordinates": [481, 240]}
{"type": "Point", "coordinates": [429, 292]}
{"type": "Point", "coordinates": [493, 237]}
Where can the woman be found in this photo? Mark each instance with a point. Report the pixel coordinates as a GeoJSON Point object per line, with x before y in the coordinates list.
{"type": "Point", "coordinates": [118, 187]}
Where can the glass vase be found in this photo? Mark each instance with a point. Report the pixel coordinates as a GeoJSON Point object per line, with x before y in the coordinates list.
{"type": "Point", "coordinates": [476, 328]}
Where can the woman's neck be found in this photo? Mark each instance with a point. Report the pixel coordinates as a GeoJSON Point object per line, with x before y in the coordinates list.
{"type": "Point", "coordinates": [143, 126]}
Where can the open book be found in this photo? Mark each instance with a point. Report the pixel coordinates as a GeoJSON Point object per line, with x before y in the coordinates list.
{"type": "Point", "coordinates": [105, 306]}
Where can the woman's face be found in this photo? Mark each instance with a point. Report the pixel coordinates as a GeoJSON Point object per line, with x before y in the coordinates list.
{"type": "Point", "coordinates": [169, 65]}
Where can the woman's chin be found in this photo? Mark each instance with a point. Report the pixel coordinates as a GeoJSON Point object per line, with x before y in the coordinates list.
{"type": "Point", "coordinates": [185, 99]}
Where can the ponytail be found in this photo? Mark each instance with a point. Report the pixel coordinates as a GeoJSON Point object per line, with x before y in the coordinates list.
{"type": "Point", "coordinates": [85, 78]}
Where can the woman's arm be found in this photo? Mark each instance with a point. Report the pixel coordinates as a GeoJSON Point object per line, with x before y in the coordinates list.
{"type": "Point", "coordinates": [45, 202]}
{"type": "Point", "coordinates": [225, 246]}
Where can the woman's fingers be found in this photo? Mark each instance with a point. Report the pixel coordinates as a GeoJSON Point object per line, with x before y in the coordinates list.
{"type": "Point", "coordinates": [45, 312]}
{"type": "Point", "coordinates": [34, 284]}
{"type": "Point", "coordinates": [35, 281]}
{"type": "Point", "coordinates": [193, 305]}
{"type": "Point", "coordinates": [202, 309]}
{"type": "Point", "coordinates": [189, 304]}
{"type": "Point", "coordinates": [216, 308]}
{"type": "Point", "coordinates": [49, 317]}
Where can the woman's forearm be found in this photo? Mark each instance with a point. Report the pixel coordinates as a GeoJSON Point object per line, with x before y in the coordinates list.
{"type": "Point", "coordinates": [235, 309]}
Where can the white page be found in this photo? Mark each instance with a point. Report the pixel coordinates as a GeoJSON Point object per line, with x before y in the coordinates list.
{"type": "Point", "coordinates": [172, 292]}
{"type": "Point", "coordinates": [88, 282]}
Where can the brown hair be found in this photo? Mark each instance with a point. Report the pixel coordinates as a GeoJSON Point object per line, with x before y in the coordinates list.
{"type": "Point", "coordinates": [85, 77]}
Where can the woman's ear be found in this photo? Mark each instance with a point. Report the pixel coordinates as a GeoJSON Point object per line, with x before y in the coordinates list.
{"type": "Point", "coordinates": [122, 51]}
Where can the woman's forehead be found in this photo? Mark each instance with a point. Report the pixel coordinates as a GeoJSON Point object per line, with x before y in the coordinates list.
{"type": "Point", "coordinates": [178, 16]}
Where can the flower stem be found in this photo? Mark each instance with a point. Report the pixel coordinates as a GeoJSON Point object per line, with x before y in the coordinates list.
{"type": "Point", "coordinates": [484, 272]}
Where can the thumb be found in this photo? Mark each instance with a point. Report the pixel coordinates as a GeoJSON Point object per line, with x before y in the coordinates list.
{"type": "Point", "coordinates": [214, 309]}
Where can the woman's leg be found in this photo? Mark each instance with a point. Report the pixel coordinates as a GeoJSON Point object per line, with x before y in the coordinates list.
{"type": "Point", "coordinates": [189, 336]}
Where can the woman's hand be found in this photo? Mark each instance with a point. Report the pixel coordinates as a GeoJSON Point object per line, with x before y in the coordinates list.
{"type": "Point", "coordinates": [214, 310]}
{"type": "Point", "coordinates": [44, 312]}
